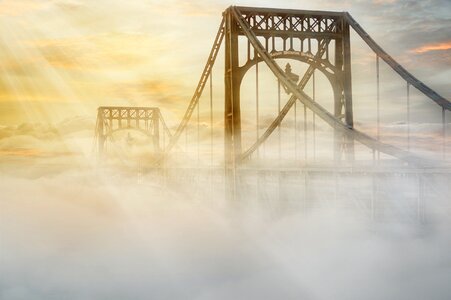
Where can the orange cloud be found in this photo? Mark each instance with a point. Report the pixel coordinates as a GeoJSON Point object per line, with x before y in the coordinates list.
{"type": "Point", "coordinates": [21, 152]}
{"type": "Point", "coordinates": [433, 47]}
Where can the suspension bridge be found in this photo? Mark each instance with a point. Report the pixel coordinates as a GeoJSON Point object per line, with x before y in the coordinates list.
{"type": "Point", "coordinates": [258, 39]}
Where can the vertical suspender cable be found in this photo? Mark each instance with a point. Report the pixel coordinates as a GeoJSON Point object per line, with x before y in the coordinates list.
{"type": "Point", "coordinates": [211, 118]}
{"type": "Point", "coordinates": [278, 109]}
{"type": "Point", "coordinates": [408, 116]}
{"type": "Point", "coordinates": [305, 134]}
{"type": "Point", "coordinates": [295, 132]}
{"type": "Point", "coordinates": [257, 116]}
{"type": "Point", "coordinates": [211, 132]}
{"type": "Point", "coordinates": [444, 133]}
{"type": "Point", "coordinates": [378, 104]}
{"type": "Point", "coordinates": [314, 115]}
{"type": "Point", "coordinates": [200, 86]}
{"type": "Point", "coordinates": [198, 132]}
{"type": "Point", "coordinates": [164, 134]}
{"type": "Point", "coordinates": [186, 138]}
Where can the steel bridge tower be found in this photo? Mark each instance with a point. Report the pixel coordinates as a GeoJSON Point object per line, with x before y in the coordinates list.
{"type": "Point", "coordinates": [321, 39]}
{"type": "Point", "coordinates": [111, 119]}
{"type": "Point", "coordinates": [324, 39]}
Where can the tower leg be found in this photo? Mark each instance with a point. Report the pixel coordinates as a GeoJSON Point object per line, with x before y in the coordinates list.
{"type": "Point", "coordinates": [232, 113]}
{"type": "Point", "coordinates": [100, 134]}
{"type": "Point", "coordinates": [347, 91]}
{"type": "Point", "coordinates": [101, 146]}
{"type": "Point", "coordinates": [347, 78]}
{"type": "Point", "coordinates": [156, 130]}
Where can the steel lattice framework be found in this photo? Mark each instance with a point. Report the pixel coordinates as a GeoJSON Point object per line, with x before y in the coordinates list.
{"type": "Point", "coordinates": [111, 119]}
{"type": "Point", "coordinates": [318, 38]}
{"type": "Point", "coordinates": [299, 35]}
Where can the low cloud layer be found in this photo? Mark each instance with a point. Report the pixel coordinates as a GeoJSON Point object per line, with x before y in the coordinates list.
{"type": "Point", "coordinates": [100, 235]}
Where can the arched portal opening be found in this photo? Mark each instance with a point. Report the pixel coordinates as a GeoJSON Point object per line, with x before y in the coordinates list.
{"type": "Point", "coordinates": [131, 145]}
{"type": "Point", "coordinates": [268, 105]}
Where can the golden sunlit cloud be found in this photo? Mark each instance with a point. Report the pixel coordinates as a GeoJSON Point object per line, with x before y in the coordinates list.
{"type": "Point", "coordinates": [432, 47]}
{"type": "Point", "coordinates": [20, 7]}
{"type": "Point", "coordinates": [119, 49]}
{"type": "Point", "coordinates": [20, 152]}
{"type": "Point", "coordinates": [186, 8]}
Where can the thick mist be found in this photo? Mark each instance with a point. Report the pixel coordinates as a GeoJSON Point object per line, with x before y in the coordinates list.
{"type": "Point", "coordinates": [107, 234]}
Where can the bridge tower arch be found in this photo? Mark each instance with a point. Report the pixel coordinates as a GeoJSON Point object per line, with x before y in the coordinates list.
{"type": "Point", "coordinates": [288, 33]}
{"type": "Point", "coordinates": [111, 119]}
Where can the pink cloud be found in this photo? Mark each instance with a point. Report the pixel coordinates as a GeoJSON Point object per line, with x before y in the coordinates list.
{"type": "Point", "coordinates": [433, 47]}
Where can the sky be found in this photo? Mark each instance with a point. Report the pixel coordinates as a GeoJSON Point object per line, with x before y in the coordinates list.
{"type": "Point", "coordinates": [61, 59]}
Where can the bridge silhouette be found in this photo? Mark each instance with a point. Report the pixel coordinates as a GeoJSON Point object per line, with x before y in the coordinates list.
{"type": "Point", "coordinates": [111, 119]}
{"type": "Point", "coordinates": [320, 39]}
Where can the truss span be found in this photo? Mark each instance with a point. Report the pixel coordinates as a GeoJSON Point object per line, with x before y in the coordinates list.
{"type": "Point", "coordinates": [147, 120]}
